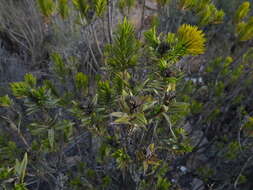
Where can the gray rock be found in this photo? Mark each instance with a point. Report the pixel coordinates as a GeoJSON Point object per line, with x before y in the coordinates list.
{"type": "Point", "coordinates": [151, 5]}
{"type": "Point", "coordinates": [197, 184]}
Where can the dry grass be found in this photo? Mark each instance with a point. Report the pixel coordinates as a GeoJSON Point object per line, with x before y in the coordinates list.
{"type": "Point", "coordinates": [23, 26]}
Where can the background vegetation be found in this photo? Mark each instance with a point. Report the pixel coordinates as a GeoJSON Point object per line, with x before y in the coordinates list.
{"type": "Point", "coordinates": [93, 98]}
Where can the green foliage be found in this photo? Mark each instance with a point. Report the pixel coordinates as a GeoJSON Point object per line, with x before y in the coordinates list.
{"type": "Point", "coordinates": [126, 5]}
{"type": "Point", "coordinates": [5, 173]}
{"type": "Point", "coordinates": [210, 14]}
{"type": "Point", "coordinates": [242, 179]}
{"type": "Point", "coordinates": [20, 168]}
{"type": "Point", "coordinates": [242, 11]}
{"type": "Point", "coordinates": [105, 94]}
{"type": "Point", "coordinates": [63, 8]}
{"type": "Point", "coordinates": [163, 2]}
{"type": "Point", "coordinates": [40, 98]}
{"type": "Point", "coordinates": [81, 82]}
{"type": "Point", "coordinates": [122, 159]}
{"type": "Point", "coordinates": [100, 7]}
{"type": "Point", "coordinates": [185, 4]}
{"type": "Point", "coordinates": [20, 89]}
{"type": "Point", "coordinates": [163, 184]}
{"type": "Point", "coordinates": [30, 80]}
{"type": "Point", "coordinates": [46, 7]}
{"type": "Point", "coordinates": [129, 128]}
{"type": "Point", "coordinates": [119, 101]}
{"type": "Point", "coordinates": [152, 38]}
{"type": "Point", "coordinates": [204, 9]}
{"type": "Point", "coordinates": [218, 104]}
{"type": "Point", "coordinates": [187, 40]}
{"type": "Point", "coordinates": [233, 150]}
{"type": "Point", "coordinates": [20, 187]}
{"type": "Point", "coordinates": [5, 101]}
{"type": "Point", "coordinates": [123, 54]}
{"type": "Point", "coordinates": [244, 30]}
{"type": "Point", "coordinates": [82, 6]}
{"type": "Point", "coordinates": [60, 68]}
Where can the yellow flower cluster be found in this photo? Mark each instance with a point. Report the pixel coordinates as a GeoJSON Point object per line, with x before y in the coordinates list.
{"type": "Point", "coordinates": [192, 38]}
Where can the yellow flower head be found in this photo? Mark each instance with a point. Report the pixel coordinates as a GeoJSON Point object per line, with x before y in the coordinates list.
{"type": "Point", "coordinates": [192, 38]}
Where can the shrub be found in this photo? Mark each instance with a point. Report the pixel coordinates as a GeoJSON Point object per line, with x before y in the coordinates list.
{"type": "Point", "coordinates": [136, 124]}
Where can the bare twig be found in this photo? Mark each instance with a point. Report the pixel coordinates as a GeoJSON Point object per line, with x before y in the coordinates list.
{"type": "Point", "coordinates": [16, 129]}
{"type": "Point", "coordinates": [94, 33]}
{"type": "Point", "coordinates": [242, 170]}
{"type": "Point", "coordinates": [142, 18]}
{"type": "Point", "coordinates": [109, 20]}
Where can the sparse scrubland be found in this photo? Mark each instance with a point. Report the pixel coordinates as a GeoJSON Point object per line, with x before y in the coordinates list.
{"type": "Point", "coordinates": [126, 95]}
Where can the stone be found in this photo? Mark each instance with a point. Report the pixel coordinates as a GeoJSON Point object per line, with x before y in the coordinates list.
{"type": "Point", "coordinates": [151, 5]}
{"type": "Point", "coordinates": [197, 184]}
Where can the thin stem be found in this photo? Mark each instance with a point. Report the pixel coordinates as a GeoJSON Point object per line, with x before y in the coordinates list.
{"type": "Point", "coordinates": [93, 31]}
{"type": "Point", "coordinates": [109, 24]}
{"type": "Point", "coordinates": [15, 128]}
{"type": "Point", "coordinates": [240, 174]}
{"type": "Point", "coordinates": [142, 18]}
